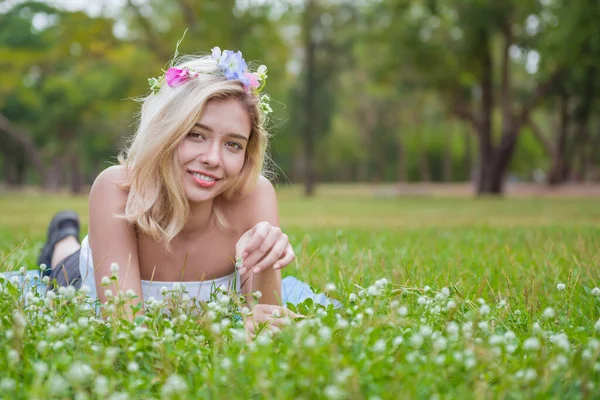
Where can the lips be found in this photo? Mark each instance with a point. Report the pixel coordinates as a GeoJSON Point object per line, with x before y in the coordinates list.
{"type": "Point", "coordinates": [204, 179]}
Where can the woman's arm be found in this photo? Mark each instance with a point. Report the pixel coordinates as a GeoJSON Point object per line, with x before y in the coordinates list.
{"type": "Point", "coordinates": [262, 221]}
{"type": "Point", "coordinates": [112, 238]}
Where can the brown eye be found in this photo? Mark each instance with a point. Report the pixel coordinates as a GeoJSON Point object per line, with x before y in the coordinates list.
{"type": "Point", "coordinates": [234, 145]}
{"type": "Point", "coordinates": [196, 135]}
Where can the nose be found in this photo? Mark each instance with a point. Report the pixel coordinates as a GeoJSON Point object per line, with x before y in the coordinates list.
{"type": "Point", "coordinates": [211, 156]}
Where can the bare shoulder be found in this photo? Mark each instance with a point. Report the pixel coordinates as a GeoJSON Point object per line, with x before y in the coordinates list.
{"type": "Point", "coordinates": [108, 186]}
{"type": "Point", "coordinates": [258, 205]}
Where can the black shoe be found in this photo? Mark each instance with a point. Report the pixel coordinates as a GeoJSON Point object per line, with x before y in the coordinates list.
{"type": "Point", "coordinates": [63, 224]}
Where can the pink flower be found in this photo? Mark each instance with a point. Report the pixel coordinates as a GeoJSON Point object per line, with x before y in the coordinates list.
{"type": "Point", "coordinates": [252, 81]}
{"type": "Point", "coordinates": [176, 76]}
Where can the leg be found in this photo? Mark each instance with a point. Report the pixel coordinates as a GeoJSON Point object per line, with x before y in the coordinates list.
{"type": "Point", "coordinates": [61, 251]}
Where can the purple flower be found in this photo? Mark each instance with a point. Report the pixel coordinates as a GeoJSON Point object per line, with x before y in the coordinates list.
{"type": "Point", "coordinates": [176, 76]}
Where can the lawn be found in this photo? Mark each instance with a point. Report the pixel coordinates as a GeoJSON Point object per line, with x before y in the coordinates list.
{"type": "Point", "coordinates": [442, 298]}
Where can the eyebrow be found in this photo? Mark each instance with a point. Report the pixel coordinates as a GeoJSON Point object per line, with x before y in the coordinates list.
{"type": "Point", "coordinates": [231, 134]}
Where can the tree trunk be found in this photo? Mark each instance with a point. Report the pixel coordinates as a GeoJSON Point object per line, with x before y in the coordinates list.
{"type": "Point", "coordinates": [484, 127]}
{"type": "Point", "coordinates": [23, 140]}
{"type": "Point", "coordinates": [401, 159]}
{"type": "Point", "coordinates": [76, 174]}
{"type": "Point", "coordinates": [447, 165]}
{"type": "Point", "coordinates": [309, 98]}
{"type": "Point", "coordinates": [558, 168]}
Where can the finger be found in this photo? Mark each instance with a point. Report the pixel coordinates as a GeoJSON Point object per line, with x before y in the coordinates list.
{"type": "Point", "coordinates": [242, 242]}
{"type": "Point", "coordinates": [263, 249]}
{"type": "Point", "coordinates": [274, 254]}
{"type": "Point", "coordinates": [287, 258]}
{"type": "Point", "coordinates": [257, 234]}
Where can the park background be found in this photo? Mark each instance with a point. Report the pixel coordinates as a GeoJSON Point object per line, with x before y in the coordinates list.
{"type": "Point", "coordinates": [437, 165]}
{"type": "Point", "coordinates": [388, 91]}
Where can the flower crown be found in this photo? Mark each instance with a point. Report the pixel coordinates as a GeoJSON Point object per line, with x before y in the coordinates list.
{"type": "Point", "coordinates": [231, 65]}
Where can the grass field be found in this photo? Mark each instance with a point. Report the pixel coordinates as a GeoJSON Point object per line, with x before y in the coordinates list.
{"type": "Point", "coordinates": [442, 298]}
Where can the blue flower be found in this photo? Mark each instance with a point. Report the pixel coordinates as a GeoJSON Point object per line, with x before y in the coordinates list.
{"type": "Point", "coordinates": [233, 65]}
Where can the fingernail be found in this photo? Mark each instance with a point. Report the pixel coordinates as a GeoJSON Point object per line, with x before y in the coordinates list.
{"type": "Point", "coordinates": [242, 271]}
{"type": "Point", "coordinates": [256, 270]}
{"type": "Point", "coordinates": [276, 266]}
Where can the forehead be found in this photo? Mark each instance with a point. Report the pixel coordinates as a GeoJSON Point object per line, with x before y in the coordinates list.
{"type": "Point", "coordinates": [226, 116]}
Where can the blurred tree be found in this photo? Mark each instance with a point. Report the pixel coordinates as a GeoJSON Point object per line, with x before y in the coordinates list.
{"type": "Point", "coordinates": [462, 48]}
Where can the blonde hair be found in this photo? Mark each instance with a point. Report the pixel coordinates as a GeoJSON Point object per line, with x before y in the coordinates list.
{"type": "Point", "coordinates": [156, 203]}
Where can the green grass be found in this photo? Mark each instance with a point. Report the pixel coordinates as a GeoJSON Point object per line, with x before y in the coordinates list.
{"type": "Point", "coordinates": [508, 253]}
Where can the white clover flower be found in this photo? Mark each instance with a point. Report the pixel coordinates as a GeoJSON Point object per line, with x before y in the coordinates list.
{"type": "Point", "coordinates": [561, 341]}
{"type": "Point", "coordinates": [238, 335]}
{"type": "Point", "coordinates": [114, 268]}
{"type": "Point", "coordinates": [369, 311]}
{"type": "Point", "coordinates": [379, 346]}
{"type": "Point", "coordinates": [484, 309]}
{"type": "Point", "coordinates": [596, 291]}
{"type": "Point", "coordinates": [450, 305]}
{"type": "Point", "coordinates": [130, 293]}
{"type": "Point", "coordinates": [163, 290]}
{"type": "Point", "coordinates": [440, 343]}
{"type": "Point", "coordinates": [529, 375]}
{"type": "Point", "coordinates": [341, 323]}
{"type": "Point", "coordinates": [43, 267]}
{"type": "Point", "coordinates": [257, 295]}
{"type": "Point", "coordinates": [536, 328]}
{"type": "Point", "coordinates": [531, 344]}
{"type": "Point", "coordinates": [352, 298]}
{"type": "Point", "coordinates": [108, 293]}
{"type": "Point", "coordinates": [470, 362]}
{"type": "Point", "coordinates": [83, 322]}
{"type": "Point", "coordinates": [177, 287]}
{"type": "Point", "coordinates": [483, 325]}
{"type": "Point", "coordinates": [333, 392]}
{"type": "Point", "coordinates": [40, 368]}
{"type": "Point", "coordinates": [263, 339]}
{"type": "Point", "coordinates": [324, 333]}
{"type": "Point", "coordinates": [501, 304]}
{"type": "Point", "coordinates": [330, 287]}
{"type": "Point", "coordinates": [22, 271]}
{"type": "Point", "coordinates": [381, 283]}
{"type": "Point", "coordinates": [517, 312]}
{"type": "Point", "coordinates": [174, 385]}
{"type": "Point", "coordinates": [46, 280]}
{"type": "Point", "coordinates": [422, 300]}
{"type": "Point", "coordinates": [223, 299]}
{"type": "Point", "coordinates": [101, 386]}
{"type": "Point", "coordinates": [225, 323]}
{"type": "Point", "coordinates": [426, 288]}
{"type": "Point", "coordinates": [496, 340]}
{"type": "Point", "coordinates": [425, 331]}
{"type": "Point", "coordinates": [215, 328]}
{"type": "Point", "coordinates": [548, 313]}
{"type": "Point", "coordinates": [403, 311]}
{"type": "Point", "coordinates": [41, 346]}
{"type": "Point", "coordinates": [245, 311]}
{"type": "Point", "coordinates": [13, 356]}
{"type": "Point", "coordinates": [105, 280]}
{"type": "Point", "coordinates": [70, 292]}
{"type": "Point", "coordinates": [310, 341]}
{"type": "Point", "coordinates": [445, 291]}
{"type": "Point", "coordinates": [133, 367]}
{"type": "Point", "coordinates": [373, 291]}
{"type": "Point", "coordinates": [85, 289]}
{"type": "Point", "coordinates": [561, 286]}
{"type": "Point", "coordinates": [452, 328]}
{"type": "Point", "coordinates": [398, 340]}
{"type": "Point", "coordinates": [416, 340]}
{"type": "Point", "coordinates": [8, 384]}
{"type": "Point", "coordinates": [79, 373]}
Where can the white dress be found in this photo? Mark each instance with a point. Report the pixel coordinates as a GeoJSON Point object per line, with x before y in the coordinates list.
{"type": "Point", "coordinates": [200, 290]}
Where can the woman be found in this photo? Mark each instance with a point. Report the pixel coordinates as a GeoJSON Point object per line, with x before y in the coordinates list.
{"type": "Point", "coordinates": [188, 202]}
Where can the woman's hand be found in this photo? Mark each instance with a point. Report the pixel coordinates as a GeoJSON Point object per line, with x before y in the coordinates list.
{"type": "Point", "coordinates": [274, 317]}
{"type": "Point", "coordinates": [262, 247]}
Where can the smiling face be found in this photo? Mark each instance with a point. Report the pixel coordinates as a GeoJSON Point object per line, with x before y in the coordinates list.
{"type": "Point", "coordinates": [212, 154]}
